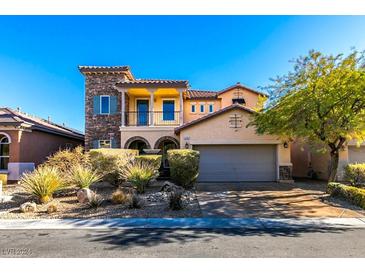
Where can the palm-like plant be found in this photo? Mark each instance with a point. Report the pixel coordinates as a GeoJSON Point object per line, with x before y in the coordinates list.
{"type": "Point", "coordinates": [83, 176]}
{"type": "Point", "coordinates": [138, 174]}
{"type": "Point", "coordinates": [42, 183]}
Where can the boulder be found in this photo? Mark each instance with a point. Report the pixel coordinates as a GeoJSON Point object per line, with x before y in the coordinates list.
{"type": "Point", "coordinates": [84, 195]}
{"type": "Point", "coordinates": [28, 207]}
{"type": "Point", "coordinates": [170, 187]}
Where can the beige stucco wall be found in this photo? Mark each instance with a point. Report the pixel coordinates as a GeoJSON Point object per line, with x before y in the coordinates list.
{"type": "Point", "coordinates": [217, 130]}
{"type": "Point", "coordinates": [251, 98]}
{"type": "Point", "coordinates": [189, 116]}
{"type": "Point", "coordinates": [151, 134]}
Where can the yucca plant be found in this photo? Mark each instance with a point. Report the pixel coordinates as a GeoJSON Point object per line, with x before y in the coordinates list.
{"type": "Point", "coordinates": [42, 182]}
{"type": "Point", "coordinates": [138, 174]}
{"type": "Point", "coordinates": [83, 176]}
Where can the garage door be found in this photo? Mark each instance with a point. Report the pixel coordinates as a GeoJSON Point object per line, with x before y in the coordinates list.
{"type": "Point", "coordinates": [356, 154]}
{"type": "Point", "coordinates": [233, 163]}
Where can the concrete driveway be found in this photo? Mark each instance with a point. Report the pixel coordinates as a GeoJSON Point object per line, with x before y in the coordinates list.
{"type": "Point", "coordinates": [271, 200]}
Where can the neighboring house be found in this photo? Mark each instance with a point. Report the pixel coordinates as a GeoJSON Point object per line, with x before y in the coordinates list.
{"type": "Point", "coordinates": [26, 141]}
{"type": "Point", "coordinates": [308, 163]}
{"type": "Point", "coordinates": [154, 115]}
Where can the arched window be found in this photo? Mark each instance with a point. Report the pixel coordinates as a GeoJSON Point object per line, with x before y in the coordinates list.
{"type": "Point", "coordinates": [4, 151]}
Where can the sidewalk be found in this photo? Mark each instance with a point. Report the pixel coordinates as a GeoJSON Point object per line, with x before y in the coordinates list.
{"type": "Point", "coordinates": [185, 223]}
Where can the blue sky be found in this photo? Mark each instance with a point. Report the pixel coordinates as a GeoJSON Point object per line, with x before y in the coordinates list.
{"type": "Point", "coordinates": [39, 55]}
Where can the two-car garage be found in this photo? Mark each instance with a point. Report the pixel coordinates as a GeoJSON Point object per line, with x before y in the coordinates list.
{"type": "Point", "coordinates": [232, 163]}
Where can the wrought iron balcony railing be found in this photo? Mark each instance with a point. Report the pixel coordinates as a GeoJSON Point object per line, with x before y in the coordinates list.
{"type": "Point", "coordinates": [152, 118]}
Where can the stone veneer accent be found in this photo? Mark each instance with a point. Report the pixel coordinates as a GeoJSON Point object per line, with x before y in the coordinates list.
{"type": "Point", "coordinates": [101, 126]}
{"type": "Point", "coordinates": [285, 173]}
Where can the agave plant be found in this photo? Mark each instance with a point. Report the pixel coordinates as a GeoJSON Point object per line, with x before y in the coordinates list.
{"type": "Point", "coordinates": [138, 174]}
{"type": "Point", "coordinates": [83, 176]}
{"type": "Point", "coordinates": [42, 182]}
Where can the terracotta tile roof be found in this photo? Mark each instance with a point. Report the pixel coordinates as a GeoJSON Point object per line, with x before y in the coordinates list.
{"type": "Point", "coordinates": [89, 70]}
{"type": "Point", "coordinates": [14, 117]}
{"type": "Point", "coordinates": [200, 94]}
{"type": "Point", "coordinates": [239, 85]}
{"type": "Point", "coordinates": [154, 82]}
{"type": "Point", "coordinates": [208, 116]}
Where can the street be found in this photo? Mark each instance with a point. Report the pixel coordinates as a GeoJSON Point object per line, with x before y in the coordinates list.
{"type": "Point", "coordinates": [300, 242]}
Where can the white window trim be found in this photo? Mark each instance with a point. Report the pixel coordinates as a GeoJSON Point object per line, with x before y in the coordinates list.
{"type": "Point", "coordinates": [191, 107]}
{"type": "Point", "coordinates": [103, 140]}
{"type": "Point", "coordinates": [210, 105]}
{"type": "Point", "coordinates": [200, 105]}
{"type": "Point", "coordinates": [101, 100]}
{"type": "Point", "coordinates": [6, 135]}
{"type": "Point", "coordinates": [7, 143]}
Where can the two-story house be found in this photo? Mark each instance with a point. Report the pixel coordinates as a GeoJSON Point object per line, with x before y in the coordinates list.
{"type": "Point", "coordinates": [154, 115]}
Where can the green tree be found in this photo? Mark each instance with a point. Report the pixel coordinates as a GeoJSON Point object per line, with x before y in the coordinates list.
{"type": "Point", "coordinates": [322, 100]}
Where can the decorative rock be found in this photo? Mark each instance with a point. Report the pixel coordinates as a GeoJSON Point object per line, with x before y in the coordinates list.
{"type": "Point", "coordinates": [170, 187]}
{"type": "Point", "coordinates": [84, 195]}
{"type": "Point", "coordinates": [28, 207]}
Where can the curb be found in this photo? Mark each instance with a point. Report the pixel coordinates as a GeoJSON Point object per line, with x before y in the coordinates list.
{"type": "Point", "coordinates": [184, 223]}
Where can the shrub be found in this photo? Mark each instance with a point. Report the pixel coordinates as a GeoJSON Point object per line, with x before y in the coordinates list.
{"type": "Point", "coordinates": [121, 197]}
{"type": "Point", "coordinates": [175, 200]}
{"type": "Point", "coordinates": [42, 182]}
{"type": "Point", "coordinates": [95, 200]}
{"type": "Point", "coordinates": [355, 173]}
{"type": "Point", "coordinates": [108, 162]}
{"type": "Point", "coordinates": [352, 194]}
{"type": "Point", "coordinates": [65, 159]}
{"type": "Point", "coordinates": [138, 174]}
{"type": "Point", "coordinates": [154, 160]}
{"type": "Point", "coordinates": [51, 208]}
{"type": "Point", "coordinates": [83, 176]}
{"type": "Point", "coordinates": [184, 166]}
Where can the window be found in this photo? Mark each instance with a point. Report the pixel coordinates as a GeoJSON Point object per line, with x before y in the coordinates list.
{"type": "Point", "coordinates": [193, 108]}
{"type": "Point", "coordinates": [104, 104]}
{"type": "Point", "coordinates": [211, 108]}
{"type": "Point", "coordinates": [4, 152]}
{"type": "Point", "coordinates": [202, 107]}
{"type": "Point", "coordinates": [168, 109]}
{"type": "Point", "coordinates": [105, 144]}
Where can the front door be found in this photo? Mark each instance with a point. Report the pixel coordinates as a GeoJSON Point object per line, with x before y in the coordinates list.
{"type": "Point", "coordinates": [142, 112]}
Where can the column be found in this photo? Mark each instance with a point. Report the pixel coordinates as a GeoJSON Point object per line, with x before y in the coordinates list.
{"type": "Point", "coordinates": [181, 93]}
{"type": "Point", "coordinates": [151, 106]}
{"type": "Point", "coordinates": [123, 107]}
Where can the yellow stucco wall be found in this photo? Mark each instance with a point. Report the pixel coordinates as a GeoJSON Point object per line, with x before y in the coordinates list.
{"type": "Point", "coordinates": [190, 116]}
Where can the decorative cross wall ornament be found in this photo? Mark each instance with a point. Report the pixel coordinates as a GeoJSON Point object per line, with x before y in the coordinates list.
{"type": "Point", "coordinates": [238, 95]}
{"type": "Point", "coordinates": [235, 121]}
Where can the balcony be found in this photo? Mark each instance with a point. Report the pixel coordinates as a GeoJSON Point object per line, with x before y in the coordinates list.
{"type": "Point", "coordinates": [152, 118]}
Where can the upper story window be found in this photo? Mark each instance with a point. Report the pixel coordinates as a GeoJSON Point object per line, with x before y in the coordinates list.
{"type": "Point", "coordinates": [105, 104]}
{"type": "Point", "coordinates": [193, 108]}
{"type": "Point", "coordinates": [4, 151]}
{"type": "Point", "coordinates": [211, 107]}
{"type": "Point", "coordinates": [168, 110]}
{"type": "Point", "coordinates": [202, 107]}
